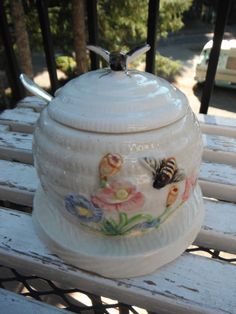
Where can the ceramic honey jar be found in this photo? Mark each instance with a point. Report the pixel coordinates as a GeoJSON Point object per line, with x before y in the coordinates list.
{"type": "Point", "coordinates": [118, 153]}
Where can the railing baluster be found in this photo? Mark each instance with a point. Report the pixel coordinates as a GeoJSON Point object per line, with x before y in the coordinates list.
{"type": "Point", "coordinates": [221, 19]}
{"type": "Point", "coordinates": [47, 42]}
{"type": "Point", "coordinates": [93, 31]}
{"type": "Point", "coordinates": [153, 12]}
{"type": "Point", "coordinates": [13, 71]}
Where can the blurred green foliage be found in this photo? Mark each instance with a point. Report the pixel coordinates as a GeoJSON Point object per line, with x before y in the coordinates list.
{"type": "Point", "coordinates": [122, 25]}
{"type": "Point", "coordinates": [60, 17]}
{"type": "Point", "coordinates": [167, 68]}
{"type": "Point", "coordinates": [66, 64]}
{"type": "Point", "coordinates": [171, 16]}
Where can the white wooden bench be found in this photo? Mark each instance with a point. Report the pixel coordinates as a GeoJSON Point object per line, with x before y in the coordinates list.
{"type": "Point", "coordinates": [190, 284]}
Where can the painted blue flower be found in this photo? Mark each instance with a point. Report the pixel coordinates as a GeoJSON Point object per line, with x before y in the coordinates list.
{"type": "Point", "coordinates": [82, 208]}
{"type": "Point", "coordinates": [149, 224]}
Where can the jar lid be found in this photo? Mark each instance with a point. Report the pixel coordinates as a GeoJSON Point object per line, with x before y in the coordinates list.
{"type": "Point", "coordinates": [117, 102]}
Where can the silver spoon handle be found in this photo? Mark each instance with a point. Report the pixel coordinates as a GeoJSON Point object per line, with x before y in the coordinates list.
{"type": "Point", "coordinates": [34, 88]}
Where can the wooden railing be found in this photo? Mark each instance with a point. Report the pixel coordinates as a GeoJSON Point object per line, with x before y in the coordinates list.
{"type": "Point", "coordinates": [153, 10]}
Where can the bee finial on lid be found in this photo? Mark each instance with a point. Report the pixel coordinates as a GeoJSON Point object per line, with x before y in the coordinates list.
{"type": "Point", "coordinates": [118, 61]}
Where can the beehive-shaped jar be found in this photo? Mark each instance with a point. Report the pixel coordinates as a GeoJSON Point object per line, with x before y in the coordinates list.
{"type": "Point", "coordinates": [118, 156]}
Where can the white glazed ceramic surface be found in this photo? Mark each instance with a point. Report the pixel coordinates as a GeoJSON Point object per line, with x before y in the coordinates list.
{"type": "Point", "coordinates": [116, 102]}
{"type": "Point", "coordinates": [118, 156]}
{"type": "Point", "coordinates": [119, 257]}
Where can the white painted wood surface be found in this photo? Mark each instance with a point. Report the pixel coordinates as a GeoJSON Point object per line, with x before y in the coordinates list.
{"type": "Point", "coordinates": [219, 149]}
{"type": "Point", "coordinates": [217, 125]}
{"type": "Point", "coordinates": [218, 181]}
{"type": "Point", "coordinates": [218, 173]}
{"type": "Point", "coordinates": [219, 227]}
{"type": "Point", "coordinates": [19, 119]}
{"type": "Point", "coordinates": [18, 182]}
{"type": "Point", "coordinates": [11, 303]}
{"type": "Point", "coordinates": [16, 146]}
{"type": "Point", "coordinates": [4, 128]}
{"type": "Point", "coordinates": [190, 284]}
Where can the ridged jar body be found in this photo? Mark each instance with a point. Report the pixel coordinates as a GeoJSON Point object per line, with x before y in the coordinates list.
{"type": "Point", "coordinates": [111, 171]}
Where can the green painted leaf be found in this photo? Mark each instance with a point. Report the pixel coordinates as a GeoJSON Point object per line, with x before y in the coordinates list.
{"type": "Point", "coordinates": [123, 220]}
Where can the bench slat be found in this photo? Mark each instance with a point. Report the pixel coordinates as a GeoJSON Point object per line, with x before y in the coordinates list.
{"type": "Point", "coordinates": [219, 149]}
{"type": "Point", "coordinates": [22, 192]}
{"type": "Point", "coordinates": [12, 303]}
{"type": "Point", "coordinates": [25, 114]}
{"type": "Point", "coordinates": [217, 125]}
{"type": "Point", "coordinates": [4, 128]}
{"type": "Point", "coordinates": [16, 146]}
{"type": "Point", "coordinates": [216, 180]}
{"type": "Point", "coordinates": [190, 276]}
{"type": "Point", "coordinates": [37, 104]}
{"type": "Point", "coordinates": [216, 120]}
{"type": "Point", "coordinates": [18, 182]}
{"type": "Point", "coordinates": [19, 119]}
{"type": "Point", "coordinates": [216, 148]}
{"type": "Point", "coordinates": [218, 230]}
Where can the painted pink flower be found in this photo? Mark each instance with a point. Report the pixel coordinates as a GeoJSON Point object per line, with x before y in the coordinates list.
{"type": "Point", "coordinates": [119, 195]}
{"type": "Point", "coordinates": [189, 184]}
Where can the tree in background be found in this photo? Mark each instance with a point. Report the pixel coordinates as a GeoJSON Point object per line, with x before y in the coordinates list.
{"type": "Point", "coordinates": [124, 22]}
{"type": "Point", "coordinates": [171, 16]}
{"type": "Point", "coordinates": [122, 25]}
{"type": "Point", "coordinates": [79, 35]}
{"type": "Point", "coordinates": [21, 37]}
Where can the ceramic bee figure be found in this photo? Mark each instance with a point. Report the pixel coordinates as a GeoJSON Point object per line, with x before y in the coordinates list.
{"type": "Point", "coordinates": [164, 171]}
{"type": "Point", "coordinates": [118, 61]}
